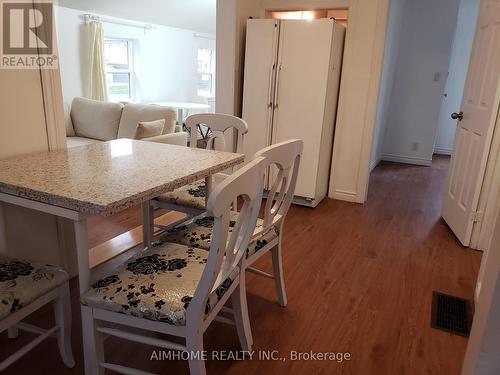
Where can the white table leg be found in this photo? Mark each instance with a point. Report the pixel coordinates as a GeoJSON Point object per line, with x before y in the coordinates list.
{"type": "Point", "coordinates": [180, 116]}
{"type": "Point", "coordinates": [3, 234]}
{"type": "Point", "coordinates": [208, 188]}
{"type": "Point", "coordinates": [82, 251]}
{"type": "Point", "coordinates": [147, 224]}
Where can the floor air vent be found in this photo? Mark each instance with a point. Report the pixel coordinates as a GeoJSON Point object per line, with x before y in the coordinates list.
{"type": "Point", "coordinates": [451, 314]}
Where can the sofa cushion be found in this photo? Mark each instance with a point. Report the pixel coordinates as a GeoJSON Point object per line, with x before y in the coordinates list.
{"type": "Point", "coordinates": [95, 119]}
{"type": "Point", "coordinates": [70, 131]}
{"type": "Point", "coordinates": [135, 113]}
{"type": "Point", "coordinates": [147, 129]}
{"type": "Point", "coordinates": [79, 141]}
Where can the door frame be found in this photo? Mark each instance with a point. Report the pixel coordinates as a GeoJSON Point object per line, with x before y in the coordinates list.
{"type": "Point", "coordinates": [53, 108]}
{"type": "Point", "coordinates": [53, 105]}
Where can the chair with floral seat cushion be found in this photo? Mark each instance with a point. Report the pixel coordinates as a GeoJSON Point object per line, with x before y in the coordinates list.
{"type": "Point", "coordinates": [284, 157]}
{"type": "Point", "coordinates": [26, 287]}
{"type": "Point", "coordinates": [157, 284]}
{"type": "Point", "coordinates": [176, 289]}
{"type": "Point", "coordinates": [191, 199]}
{"type": "Point", "coordinates": [198, 232]}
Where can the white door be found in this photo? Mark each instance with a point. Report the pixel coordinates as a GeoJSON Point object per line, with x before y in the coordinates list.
{"type": "Point", "coordinates": [303, 68]}
{"type": "Point", "coordinates": [258, 85]}
{"type": "Point", "coordinates": [475, 124]}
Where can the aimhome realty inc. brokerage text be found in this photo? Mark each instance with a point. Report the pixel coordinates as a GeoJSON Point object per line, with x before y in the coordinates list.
{"type": "Point", "coordinates": [240, 355]}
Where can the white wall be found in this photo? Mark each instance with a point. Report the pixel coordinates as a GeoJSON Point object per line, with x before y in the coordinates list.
{"type": "Point", "coordinates": [425, 41]}
{"type": "Point", "coordinates": [391, 50]}
{"type": "Point", "coordinates": [459, 63]}
{"type": "Point", "coordinates": [164, 58]}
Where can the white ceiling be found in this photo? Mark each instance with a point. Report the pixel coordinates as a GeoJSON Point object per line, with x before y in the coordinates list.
{"type": "Point", "coordinates": [197, 15]}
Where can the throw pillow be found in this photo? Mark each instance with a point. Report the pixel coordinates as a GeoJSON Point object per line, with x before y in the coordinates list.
{"type": "Point", "coordinates": [147, 129]}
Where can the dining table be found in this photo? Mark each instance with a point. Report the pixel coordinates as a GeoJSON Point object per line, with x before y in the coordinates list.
{"type": "Point", "coordinates": [102, 179]}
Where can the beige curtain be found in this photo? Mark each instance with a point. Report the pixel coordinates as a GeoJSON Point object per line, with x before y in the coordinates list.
{"type": "Point", "coordinates": [96, 87]}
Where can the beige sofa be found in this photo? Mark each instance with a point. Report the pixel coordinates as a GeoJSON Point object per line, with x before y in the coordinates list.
{"type": "Point", "coordinates": [89, 121]}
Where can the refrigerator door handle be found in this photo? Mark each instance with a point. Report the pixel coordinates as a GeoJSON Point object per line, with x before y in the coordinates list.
{"type": "Point", "coordinates": [270, 90]}
{"type": "Point", "coordinates": [276, 91]}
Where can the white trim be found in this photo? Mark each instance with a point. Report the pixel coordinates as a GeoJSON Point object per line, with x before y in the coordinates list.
{"type": "Point", "coordinates": [443, 151]}
{"type": "Point", "coordinates": [377, 60]}
{"type": "Point", "coordinates": [348, 196]}
{"type": "Point", "coordinates": [356, 180]}
{"type": "Point", "coordinates": [53, 107]}
{"type": "Point", "coordinates": [50, 82]}
{"type": "Point", "coordinates": [406, 159]}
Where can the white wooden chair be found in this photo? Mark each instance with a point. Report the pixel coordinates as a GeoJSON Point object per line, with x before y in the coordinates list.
{"type": "Point", "coordinates": [24, 288]}
{"type": "Point", "coordinates": [284, 156]}
{"type": "Point", "coordinates": [191, 199]}
{"type": "Point", "coordinates": [179, 290]}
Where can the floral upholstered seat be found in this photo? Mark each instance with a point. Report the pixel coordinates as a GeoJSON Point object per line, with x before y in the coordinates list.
{"type": "Point", "coordinates": [22, 282]}
{"type": "Point", "coordinates": [157, 284]}
{"type": "Point", "coordinates": [191, 195]}
{"type": "Point", "coordinates": [198, 232]}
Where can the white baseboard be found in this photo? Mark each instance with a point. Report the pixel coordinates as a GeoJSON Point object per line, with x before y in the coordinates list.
{"type": "Point", "coordinates": [443, 151]}
{"type": "Point", "coordinates": [406, 159]}
{"type": "Point", "coordinates": [348, 196]}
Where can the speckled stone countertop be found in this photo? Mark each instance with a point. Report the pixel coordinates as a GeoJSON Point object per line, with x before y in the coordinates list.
{"type": "Point", "coordinates": [108, 177]}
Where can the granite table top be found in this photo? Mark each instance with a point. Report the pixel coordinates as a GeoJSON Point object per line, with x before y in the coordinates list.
{"type": "Point", "coordinates": [108, 177]}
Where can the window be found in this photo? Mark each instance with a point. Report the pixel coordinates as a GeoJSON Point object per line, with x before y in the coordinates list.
{"type": "Point", "coordinates": [206, 71]}
{"type": "Point", "coordinates": [117, 54]}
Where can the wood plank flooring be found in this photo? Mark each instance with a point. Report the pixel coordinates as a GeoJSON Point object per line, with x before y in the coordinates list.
{"type": "Point", "coordinates": [359, 280]}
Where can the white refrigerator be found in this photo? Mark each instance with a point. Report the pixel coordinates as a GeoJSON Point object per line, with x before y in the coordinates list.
{"type": "Point", "coordinates": [290, 90]}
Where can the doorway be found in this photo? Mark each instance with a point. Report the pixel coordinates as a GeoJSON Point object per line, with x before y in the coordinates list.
{"type": "Point", "coordinates": [425, 65]}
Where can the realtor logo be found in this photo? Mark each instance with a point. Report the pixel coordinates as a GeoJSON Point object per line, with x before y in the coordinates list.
{"type": "Point", "coordinates": [27, 35]}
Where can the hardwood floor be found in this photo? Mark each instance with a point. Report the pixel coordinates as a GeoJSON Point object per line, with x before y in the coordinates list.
{"type": "Point", "coordinates": [359, 280]}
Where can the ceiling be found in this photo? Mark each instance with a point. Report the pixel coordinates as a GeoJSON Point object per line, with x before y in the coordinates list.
{"type": "Point", "coordinates": [197, 15]}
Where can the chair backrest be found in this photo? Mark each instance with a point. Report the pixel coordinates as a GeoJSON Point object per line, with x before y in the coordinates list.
{"type": "Point", "coordinates": [228, 249]}
{"type": "Point", "coordinates": [285, 157]}
{"type": "Point", "coordinates": [218, 123]}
